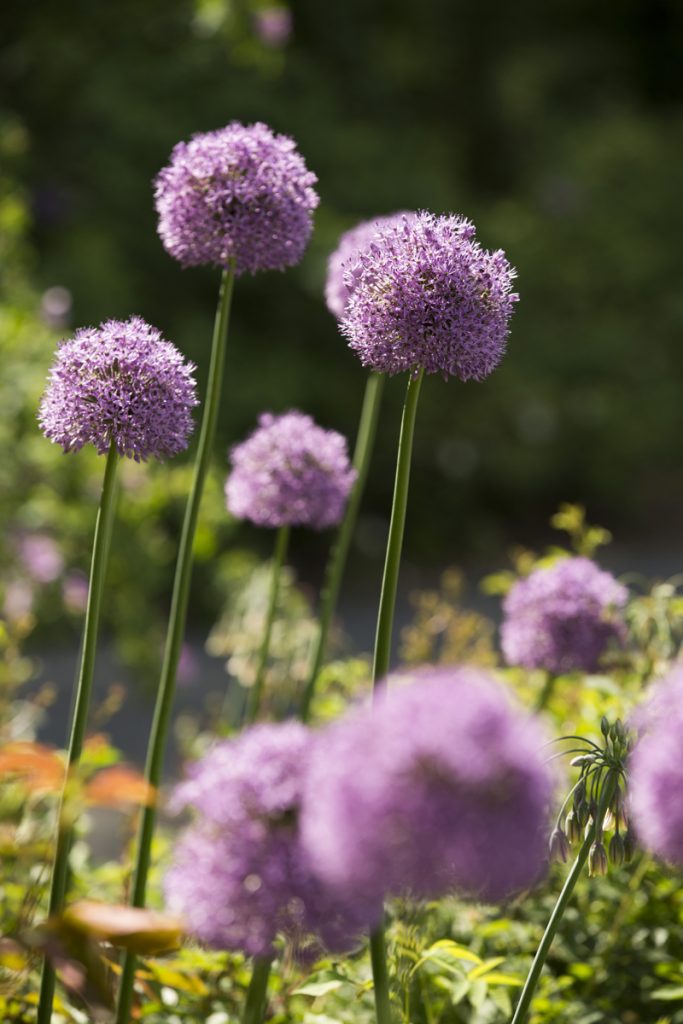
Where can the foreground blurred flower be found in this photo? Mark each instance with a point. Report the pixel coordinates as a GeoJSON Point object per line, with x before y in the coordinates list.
{"type": "Point", "coordinates": [240, 195]}
{"type": "Point", "coordinates": [120, 384]}
{"type": "Point", "coordinates": [40, 556]}
{"type": "Point", "coordinates": [563, 617]}
{"type": "Point", "coordinates": [290, 472]}
{"type": "Point", "coordinates": [240, 875]}
{"type": "Point", "coordinates": [425, 295]}
{"type": "Point", "coordinates": [352, 242]}
{"type": "Point", "coordinates": [440, 787]}
{"type": "Point", "coordinates": [656, 771]}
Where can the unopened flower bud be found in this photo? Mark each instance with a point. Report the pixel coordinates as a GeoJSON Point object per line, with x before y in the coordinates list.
{"type": "Point", "coordinates": [604, 726]}
{"type": "Point", "coordinates": [616, 849]}
{"type": "Point", "coordinates": [629, 845]}
{"type": "Point", "coordinates": [559, 846]}
{"type": "Point", "coordinates": [582, 759]}
{"type": "Point", "coordinates": [573, 827]}
{"type": "Point", "coordinates": [597, 860]}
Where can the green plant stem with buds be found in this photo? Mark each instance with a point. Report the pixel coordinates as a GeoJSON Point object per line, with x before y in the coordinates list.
{"type": "Point", "coordinates": [367, 429]}
{"type": "Point", "coordinates": [563, 899]}
{"type": "Point", "coordinates": [281, 543]}
{"type": "Point", "coordinates": [98, 567]}
{"type": "Point", "coordinates": [177, 620]}
{"type": "Point", "coordinates": [383, 636]}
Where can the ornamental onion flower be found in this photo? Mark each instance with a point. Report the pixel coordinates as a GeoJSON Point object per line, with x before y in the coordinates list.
{"type": "Point", "coordinates": [121, 384]}
{"type": "Point", "coordinates": [439, 787]}
{"type": "Point", "coordinates": [656, 771]}
{"type": "Point", "coordinates": [426, 296]}
{"type": "Point", "coordinates": [337, 292]}
{"type": "Point", "coordinates": [240, 195]}
{"type": "Point", "coordinates": [290, 472]}
{"type": "Point", "coordinates": [563, 617]}
{"type": "Point", "coordinates": [239, 874]}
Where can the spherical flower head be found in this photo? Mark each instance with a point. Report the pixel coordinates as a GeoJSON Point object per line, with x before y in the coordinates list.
{"type": "Point", "coordinates": [337, 291]}
{"type": "Point", "coordinates": [425, 295]}
{"type": "Point", "coordinates": [239, 874]}
{"type": "Point", "coordinates": [656, 771]}
{"type": "Point", "coordinates": [290, 472]}
{"type": "Point", "coordinates": [121, 384]}
{"type": "Point", "coordinates": [439, 787]}
{"type": "Point", "coordinates": [239, 195]}
{"type": "Point", "coordinates": [563, 617]}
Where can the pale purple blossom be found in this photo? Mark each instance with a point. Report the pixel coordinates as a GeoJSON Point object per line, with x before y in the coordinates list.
{"type": "Point", "coordinates": [563, 617]}
{"type": "Point", "coordinates": [290, 472]}
{"type": "Point", "coordinates": [121, 384]}
{"type": "Point", "coordinates": [18, 600]}
{"type": "Point", "coordinates": [75, 592]}
{"type": "Point", "coordinates": [241, 194]}
{"type": "Point", "coordinates": [656, 770]}
{"type": "Point", "coordinates": [337, 292]}
{"type": "Point", "coordinates": [273, 25]}
{"type": "Point", "coordinates": [440, 787]}
{"type": "Point", "coordinates": [40, 556]}
{"type": "Point", "coordinates": [425, 295]}
{"type": "Point", "coordinates": [239, 874]}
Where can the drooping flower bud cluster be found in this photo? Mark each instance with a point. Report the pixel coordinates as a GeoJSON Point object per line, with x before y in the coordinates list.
{"type": "Point", "coordinates": [563, 617]}
{"type": "Point", "coordinates": [597, 801]}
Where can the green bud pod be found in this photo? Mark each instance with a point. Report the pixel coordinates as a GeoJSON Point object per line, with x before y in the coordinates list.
{"type": "Point", "coordinates": [597, 860]}
{"type": "Point", "coordinates": [629, 846]}
{"type": "Point", "coordinates": [604, 726]}
{"type": "Point", "coordinates": [572, 827]}
{"type": "Point", "coordinates": [616, 849]}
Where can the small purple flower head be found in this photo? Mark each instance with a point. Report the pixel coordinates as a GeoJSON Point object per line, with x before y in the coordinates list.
{"type": "Point", "coordinates": [290, 472]}
{"type": "Point", "coordinates": [239, 194]}
{"type": "Point", "coordinates": [440, 786]}
{"type": "Point", "coordinates": [121, 384]}
{"type": "Point", "coordinates": [41, 557]}
{"type": "Point", "coordinates": [656, 771]}
{"type": "Point", "coordinates": [239, 874]}
{"type": "Point", "coordinates": [563, 617]}
{"type": "Point", "coordinates": [425, 295]}
{"type": "Point", "coordinates": [273, 26]}
{"type": "Point", "coordinates": [337, 292]}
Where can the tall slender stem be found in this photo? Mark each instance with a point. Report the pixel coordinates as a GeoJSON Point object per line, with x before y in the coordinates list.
{"type": "Point", "coordinates": [255, 1004]}
{"type": "Point", "coordinates": [546, 692]}
{"type": "Point", "coordinates": [281, 543]}
{"type": "Point", "coordinates": [563, 899]}
{"type": "Point", "coordinates": [177, 620]}
{"type": "Point", "coordinates": [383, 636]}
{"type": "Point", "coordinates": [98, 566]}
{"type": "Point", "coordinates": [367, 429]}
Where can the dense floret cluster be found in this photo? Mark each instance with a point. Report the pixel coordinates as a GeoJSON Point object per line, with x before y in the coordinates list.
{"type": "Point", "coordinates": [337, 292]}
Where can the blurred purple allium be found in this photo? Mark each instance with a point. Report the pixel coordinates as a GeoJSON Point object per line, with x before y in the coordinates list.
{"type": "Point", "coordinates": [239, 874]}
{"type": "Point", "coordinates": [273, 25]}
{"type": "Point", "coordinates": [40, 556]}
{"type": "Point", "coordinates": [424, 294]}
{"type": "Point", "coordinates": [656, 770]}
{"type": "Point", "coordinates": [75, 592]}
{"type": "Point", "coordinates": [290, 472]}
{"type": "Point", "coordinates": [241, 193]}
{"type": "Point", "coordinates": [337, 291]}
{"type": "Point", "coordinates": [120, 383]}
{"type": "Point", "coordinates": [440, 786]}
{"type": "Point", "coordinates": [563, 617]}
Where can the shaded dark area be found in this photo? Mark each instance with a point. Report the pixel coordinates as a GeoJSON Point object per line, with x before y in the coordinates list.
{"type": "Point", "coordinates": [557, 128]}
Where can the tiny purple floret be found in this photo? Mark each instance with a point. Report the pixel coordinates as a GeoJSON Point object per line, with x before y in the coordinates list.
{"type": "Point", "coordinates": [337, 291]}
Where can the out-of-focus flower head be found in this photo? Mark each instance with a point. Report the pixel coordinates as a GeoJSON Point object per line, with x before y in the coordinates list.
{"type": "Point", "coordinates": [656, 770]}
{"type": "Point", "coordinates": [239, 874]}
{"type": "Point", "coordinates": [273, 26]}
{"type": "Point", "coordinates": [122, 384]}
{"type": "Point", "coordinates": [241, 194]}
{"type": "Point", "coordinates": [290, 472]}
{"type": "Point", "coordinates": [425, 295]}
{"type": "Point", "coordinates": [563, 617]}
{"type": "Point", "coordinates": [337, 292]}
{"type": "Point", "coordinates": [75, 592]}
{"type": "Point", "coordinates": [441, 786]}
{"type": "Point", "coordinates": [40, 556]}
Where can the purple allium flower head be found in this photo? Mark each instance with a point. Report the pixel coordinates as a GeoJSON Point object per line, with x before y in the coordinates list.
{"type": "Point", "coordinates": [120, 383]}
{"type": "Point", "coordinates": [424, 294]}
{"type": "Point", "coordinates": [337, 291]}
{"type": "Point", "coordinates": [656, 770]}
{"type": "Point", "coordinates": [41, 557]}
{"type": "Point", "coordinates": [240, 875]}
{"type": "Point", "coordinates": [241, 193]}
{"type": "Point", "coordinates": [440, 786]}
{"type": "Point", "coordinates": [273, 26]}
{"type": "Point", "coordinates": [562, 617]}
{"type": "Point", "coordinates": [290, 472]}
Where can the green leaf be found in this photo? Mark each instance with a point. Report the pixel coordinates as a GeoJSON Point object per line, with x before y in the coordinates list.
{"type": "Point", "coordinates": [484, 967]}
{"type": "Point", "coordinates": [496, 978]}
{"type": "Point", "coordinates": [668, 992]}
{"type": "Point", "coordinates": [317, 988]}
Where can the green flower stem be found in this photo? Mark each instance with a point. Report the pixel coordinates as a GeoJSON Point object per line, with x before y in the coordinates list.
{"type": "Point", "coordinates": [385, 624]}
{"type": "Point", "coordinates": [177, 619]}
{"type": "Point", "coordinates": [98, 567]}
{"type": "Point", "coordinates": [281, 543]}
{"type": "Point", "coordinates": [367, 429]}
{"type": "Point", "coordinates": [387, 601]}
{"type": "Point", "coordinates": [561, 905]}
{"type": "Point", "coordinates": [255, 1005]}
{"type": "Point", "coordinates": [546, 692]}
